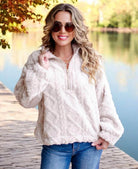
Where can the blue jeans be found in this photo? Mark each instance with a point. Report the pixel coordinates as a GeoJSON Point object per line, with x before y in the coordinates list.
{"type": "Point", "coordinates": [82, 155]}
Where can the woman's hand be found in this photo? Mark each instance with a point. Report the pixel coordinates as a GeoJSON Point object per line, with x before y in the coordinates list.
{"type": "Point", "coordinates": [100, 144]}
{"type": "Point", "coordinates": [43, 59]}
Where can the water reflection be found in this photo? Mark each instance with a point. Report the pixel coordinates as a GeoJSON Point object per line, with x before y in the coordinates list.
{"type": "Point", "coordinates": [122, 79]}
{"type": "Point", "coordinates": [23, 45]}
{"type": "Point", "coordinates": [120, 49]}
{"type": "Point", "coordinates": [119, 46]}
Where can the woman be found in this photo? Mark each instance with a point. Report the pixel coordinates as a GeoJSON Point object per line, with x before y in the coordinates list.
{"type": "Point", "coordinates": [65, 78]}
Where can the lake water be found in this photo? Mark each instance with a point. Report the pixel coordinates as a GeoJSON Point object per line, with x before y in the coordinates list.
{"type": "Point", "coordinates": [120, 53]}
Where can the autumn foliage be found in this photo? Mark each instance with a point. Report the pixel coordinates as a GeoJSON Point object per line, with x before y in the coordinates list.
{"type": "Point", "coordinates": [14, 12]}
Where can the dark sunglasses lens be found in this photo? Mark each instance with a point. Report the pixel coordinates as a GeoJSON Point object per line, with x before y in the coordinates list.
{"type": "Point", "coordinates": [57, 26]}
{"type": "Point", "coordinates": [69, 27]}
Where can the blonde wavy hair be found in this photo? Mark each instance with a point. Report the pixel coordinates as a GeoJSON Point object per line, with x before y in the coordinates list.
{"type": "Point", "coordinates": [90, 63]}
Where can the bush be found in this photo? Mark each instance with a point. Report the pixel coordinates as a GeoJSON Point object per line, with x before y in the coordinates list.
{"type": "Point", "coordinates": [122, 20]}
{"type": "Point", "coordinates": [113, 21]}
{"type": "Point", "coordinates": [125, 20]}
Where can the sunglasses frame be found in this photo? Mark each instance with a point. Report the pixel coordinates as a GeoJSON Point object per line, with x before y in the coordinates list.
{"type": "Point", "coordinates": [69, 26]}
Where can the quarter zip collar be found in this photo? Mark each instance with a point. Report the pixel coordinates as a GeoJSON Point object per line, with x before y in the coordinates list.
{"type": "Point", "coordinates": [52, 56]}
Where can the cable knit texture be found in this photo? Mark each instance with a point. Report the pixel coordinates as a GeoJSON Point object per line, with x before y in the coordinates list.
{"type": "Point", "coordinates": [70, 108]}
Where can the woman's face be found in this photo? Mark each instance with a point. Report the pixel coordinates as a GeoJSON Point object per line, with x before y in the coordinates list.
{"type": "Point", "coordinates": [63, 37]}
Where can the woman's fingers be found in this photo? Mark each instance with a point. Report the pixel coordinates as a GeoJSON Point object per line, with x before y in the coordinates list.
{"type": "Point", "coordinates": [43, 59]}
{"type": "Point", "coordinates": [100, 144]}
{"type": "Point", "coordinates": [97, 142]}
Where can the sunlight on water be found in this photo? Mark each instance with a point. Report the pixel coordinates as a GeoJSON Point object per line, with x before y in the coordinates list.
{"type": "Point", "coordinates": [121, 66]}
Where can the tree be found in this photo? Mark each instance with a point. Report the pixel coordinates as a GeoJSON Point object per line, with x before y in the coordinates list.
{"type": "Point", "coordinates": [14, 12]}
{"type": "Point", "coordinates": [115, 14]}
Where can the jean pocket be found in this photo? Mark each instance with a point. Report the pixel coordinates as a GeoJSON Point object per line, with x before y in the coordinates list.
{"type": "Point", "coordinates": [60, 148]}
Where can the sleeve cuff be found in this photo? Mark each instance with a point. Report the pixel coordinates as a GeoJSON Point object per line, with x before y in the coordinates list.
{"type": "Point", "coordinates": [112, 138]}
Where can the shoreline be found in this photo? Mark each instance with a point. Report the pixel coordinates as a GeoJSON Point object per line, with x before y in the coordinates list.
{"type": "Point", "coordinates": [118, 30]}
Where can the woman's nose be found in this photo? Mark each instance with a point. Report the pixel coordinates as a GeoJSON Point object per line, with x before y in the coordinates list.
{"type": "Point", "coordinates": [63, 29]}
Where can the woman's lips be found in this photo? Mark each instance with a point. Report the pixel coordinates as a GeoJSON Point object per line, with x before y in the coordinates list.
{"type": "Point", "coordinates": [61, 37]}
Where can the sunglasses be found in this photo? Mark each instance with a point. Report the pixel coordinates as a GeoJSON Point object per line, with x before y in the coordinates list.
{"type": "Point", "coordinates": [69, 27]}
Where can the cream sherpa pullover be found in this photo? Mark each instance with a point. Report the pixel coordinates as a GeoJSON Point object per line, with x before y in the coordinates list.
{"type": "Point", "coordinates": [70, 108]}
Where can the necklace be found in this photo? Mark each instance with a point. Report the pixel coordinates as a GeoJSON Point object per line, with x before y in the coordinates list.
{"type": "Point", "coordinates": [67, 58]}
